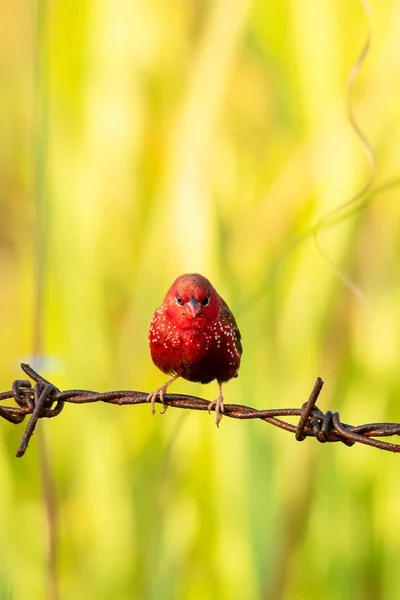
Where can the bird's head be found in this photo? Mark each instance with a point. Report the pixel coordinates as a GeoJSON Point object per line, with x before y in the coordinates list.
{"type": "Point", "coordinates": [191, 300]}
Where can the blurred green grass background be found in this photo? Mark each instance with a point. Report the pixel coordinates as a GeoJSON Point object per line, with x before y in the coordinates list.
{"type": "Point", "coordinates": [200, 136]}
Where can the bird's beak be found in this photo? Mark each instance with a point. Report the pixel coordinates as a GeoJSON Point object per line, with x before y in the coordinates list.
{"type": "Point", "coordinates": [195, 306]}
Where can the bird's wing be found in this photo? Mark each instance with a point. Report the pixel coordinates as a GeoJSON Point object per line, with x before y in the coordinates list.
{"type": "Point", "coordinates": [230, 319]}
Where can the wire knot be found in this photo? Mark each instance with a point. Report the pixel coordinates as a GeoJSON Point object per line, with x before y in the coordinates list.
{"type": "Point", "coordinates": [38, 402]}
{"type": "Point", "coordinates": [324, 427]}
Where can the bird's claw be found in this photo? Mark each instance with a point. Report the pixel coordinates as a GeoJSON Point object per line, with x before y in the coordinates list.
{"type": "Point", "coordinates": [152, 398]}
{"type": "Point", "coordinates": [219, 409]}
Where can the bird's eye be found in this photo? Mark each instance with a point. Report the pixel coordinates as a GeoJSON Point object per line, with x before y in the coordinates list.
{"type": "Point", "coordinates": [206, 301]}
{"type": "Point", "coordinates": [179, 300]}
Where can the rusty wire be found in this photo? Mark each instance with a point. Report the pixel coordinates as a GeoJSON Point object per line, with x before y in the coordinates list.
{"type": "Point", "coordinates": [44, 400]}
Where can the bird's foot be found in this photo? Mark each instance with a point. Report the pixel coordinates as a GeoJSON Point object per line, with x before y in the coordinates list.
{"type": "Point", "coordinates": [219, 406]}
{"type": "Point", "coordinates": [152, 397]}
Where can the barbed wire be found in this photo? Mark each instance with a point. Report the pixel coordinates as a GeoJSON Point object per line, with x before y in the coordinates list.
{"type": "Point", "coordinates": [45, 400]}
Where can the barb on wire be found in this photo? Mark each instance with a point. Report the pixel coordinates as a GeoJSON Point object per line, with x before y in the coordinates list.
{"type": "Point", "coordinates": [44, 400]}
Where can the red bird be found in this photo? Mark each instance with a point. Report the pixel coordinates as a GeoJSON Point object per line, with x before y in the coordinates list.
{"type": "Point", "coordinates": [194, 335]}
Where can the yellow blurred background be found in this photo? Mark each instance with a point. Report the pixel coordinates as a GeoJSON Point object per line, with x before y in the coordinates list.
{"type": "Point", "coordinates": [161, 137]}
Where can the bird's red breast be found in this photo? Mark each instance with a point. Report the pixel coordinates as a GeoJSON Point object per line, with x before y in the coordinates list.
{"type": "Point", "coordinates": [194, 333]}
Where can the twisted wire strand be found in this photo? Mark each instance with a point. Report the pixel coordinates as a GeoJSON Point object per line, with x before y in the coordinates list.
{"type": "Point", "coordinates": [45, 400]}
